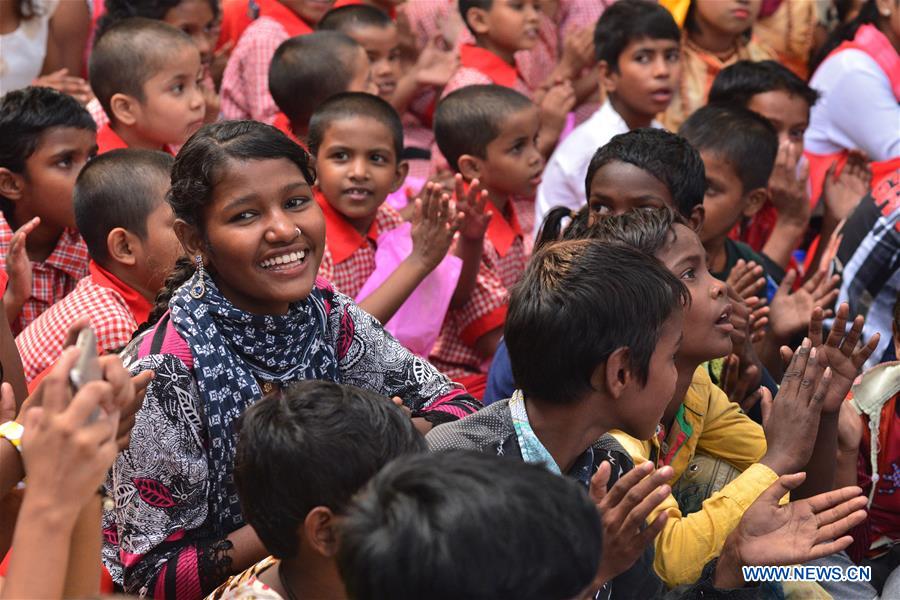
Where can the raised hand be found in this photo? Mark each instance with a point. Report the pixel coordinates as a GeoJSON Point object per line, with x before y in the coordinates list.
{"type": "Point", "coordinates": [61, 81]}
{"type": "Point", "coordinates": [789, 312]}
{"type": "Point", "coordinates": [791, 421]}
{"type": "Point", "coordinates": [436, 63]}
{"type": "Point", "coordinates": [18, 267]}
{"type": "Point", "coordinates": [787, 185]}
{"type": "Point", "coordinates": [578, 50]}
{"type": "Point", "coordinates": [434, 224]}
{"type": "Point", "coordinates": [746, 278]}
{"type": "Point", "coordinates": [740, 380]}
{"type": "Point", "coordinates": [624, 510]}
{"type": "Point", "coordinates": [789, 534]}
{"type": "Point", "coordinates": [473, 204]}
{"type": "Point", "coordinates": [555, 107]}
{"type": "Point", "coordinates": [842, 193]}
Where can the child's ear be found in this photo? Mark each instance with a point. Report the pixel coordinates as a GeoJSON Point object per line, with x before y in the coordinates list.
{"type": "Point", "coordinates": [698, 215]}
{"type": "Point", "coordinates": [608, 76]}
{"type": "Point", "coordinates": [121, 245]}
{"type": "Point", "coordinates": [11, 184]}
{"type": "Point", "coordinates": [477, 20]}
{"type": "Point", "coordinates": [190, 238]}
{"type": "Point", "coordinates": [124, 108]}
{"type": "Point", "coordinates": [618, 372]}
{"type": "Point", "coordinates": [755, 200]}
{"type": "Point", "coordinates": [319, 527]}
{"type": "Point", "coordinates": [469, 167]}
{"type": "Point", "coordinates": [400, 175]}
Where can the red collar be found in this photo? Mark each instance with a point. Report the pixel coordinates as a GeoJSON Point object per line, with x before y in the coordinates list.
{"type": "Point", "coordinates": [391, 12]}
{"type": "Point", "coordinates": [137, 304]}
{"type": "Point", "coordinates": [107, 140]}
{"type": "Point", "coordinates": [488, 63]}
{"type": "Point", "coordinates": [287, 18]}
{"type": "Point", "coordinates": [503, 233]}
{"type": "Point", "coordinates": [340, 236]}
{"type": "Point", "coordinates": [282, 123]}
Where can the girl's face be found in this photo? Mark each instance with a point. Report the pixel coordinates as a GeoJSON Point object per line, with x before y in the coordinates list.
{"type": "Point", "coordinates": [195, 18]}
{"type": "Point", "coordinates": [252, 245]}
{"type": "Point", "coordinates": [733, 17]}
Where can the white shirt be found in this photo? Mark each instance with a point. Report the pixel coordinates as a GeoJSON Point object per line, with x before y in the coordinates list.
{"type": "Point", "coordinates": [22, 51]}
{"type": "Point", "coordinates": [857, 109]}
{"type": "Point", "coordinates": [563, 179]}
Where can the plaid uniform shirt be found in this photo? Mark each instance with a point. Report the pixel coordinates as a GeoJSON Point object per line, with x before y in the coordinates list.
{"type": "Point", "coordinates": [53, 278]}
{"type": "Point", "coordinates": [349, 258]}
{"type": "Point", "coordinates": [245, 83]}
{"type": "Point", "coordinates": [114, 310]}
{"type": "Point", "coordinates": [502, 264]}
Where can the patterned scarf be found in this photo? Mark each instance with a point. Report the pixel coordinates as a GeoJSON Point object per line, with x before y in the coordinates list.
{"type": "Point", "coordinates": [233, 350]}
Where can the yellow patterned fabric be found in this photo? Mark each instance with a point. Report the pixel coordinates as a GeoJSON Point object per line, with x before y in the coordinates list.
{"type": "Point", "coordinates": [789, 32]}
{"type": "Point", "coordinates": [246, 584]}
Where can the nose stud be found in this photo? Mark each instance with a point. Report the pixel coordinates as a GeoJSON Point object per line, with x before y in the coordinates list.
{"type": "Point", "coordinates": [299, 233]}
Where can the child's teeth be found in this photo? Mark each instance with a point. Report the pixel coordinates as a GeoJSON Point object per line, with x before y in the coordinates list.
{"type": "Point", "coordinates": [285, 259]}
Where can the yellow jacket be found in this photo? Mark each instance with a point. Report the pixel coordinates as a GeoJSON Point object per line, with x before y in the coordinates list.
{"type": "Point", "coordinates": [711, 424]}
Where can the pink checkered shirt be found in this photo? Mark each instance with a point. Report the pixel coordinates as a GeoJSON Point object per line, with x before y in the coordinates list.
{"type": "Point", "coordinates": [53, 278]}
{"type": "Point", "coordinates": [114, 311]}
{"type": "Point", "coordinates": [349, 258]}
{"type": "Point", "coordinates": [502, 264]}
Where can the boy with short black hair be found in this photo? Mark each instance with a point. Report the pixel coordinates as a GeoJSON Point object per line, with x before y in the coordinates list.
{"type": "Point", "coordinates": [45, 139]}
{"type": "Point", "coordinates": [638, 45]}
{"type": "Point", "coordinates": [321, 64]}
{"type": "Point", "coordinates": [146, 75]}
{"type": "Point", "coordinates": [122, 214]}
{"type": "Point", "coordinates": [303, 453]}
{"type": "Point", "coordinates": [487, 133]}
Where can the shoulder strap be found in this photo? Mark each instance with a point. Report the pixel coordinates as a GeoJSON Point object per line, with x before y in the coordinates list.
{"type": "Point", "coordinates": [159, 335]}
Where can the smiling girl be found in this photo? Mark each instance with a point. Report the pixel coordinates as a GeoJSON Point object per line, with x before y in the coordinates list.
{"type": "Point", "coordinates": [249, 317]}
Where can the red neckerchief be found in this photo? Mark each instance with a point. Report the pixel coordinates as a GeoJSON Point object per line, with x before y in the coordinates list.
{"type": "Point", "coordinates": [340, 236]}
{"type": "Point", "coordinates": [485, 61]}
{"type": "Point", "coordinates": [107, 140]}
{"type": "Point", "coordinates": [137, 304]}
{"type": "Point", "coordinates": [287, 18]}
{"type": "Point", "coordinates": [503, 233]}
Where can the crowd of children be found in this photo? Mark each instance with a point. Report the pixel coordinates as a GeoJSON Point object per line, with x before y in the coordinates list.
{"type": "Point", "coordinates": [523, 299]}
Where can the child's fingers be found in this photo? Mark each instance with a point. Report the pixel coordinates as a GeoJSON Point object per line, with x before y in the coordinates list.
{"type": "Point", "coordinates": [765, 404]}
{"type": "Point", "coordinates": [650, 496]}
{"type": "Point", "coordinates": [646, 537]}
{"type": "Point", "coordinates": [599, 479]}
{"type": "Point", "coordinates": [852, 337]}
{"type": "Point", "coordinates": [860, 356]}
{"type": "Point", "coordinates": [787, 283]}
{"type": "Point", "coordinates": [7, 403]}
{"type": "Point", "coordinates": [92, 396]}
{"type": "Point", "coordinates": [55, 389]}
{"type": "Point", "coordinates": [625, 483]}
{"type": "Point", "coordinates": [815, 326]}
{"type": "Point", "coordinates": [796, 369]}
{"type": "Point", "coordinates": [824, 382]}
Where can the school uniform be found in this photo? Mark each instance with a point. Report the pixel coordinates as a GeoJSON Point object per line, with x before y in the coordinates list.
{"type": "Point", "coordinates": [107, 140]}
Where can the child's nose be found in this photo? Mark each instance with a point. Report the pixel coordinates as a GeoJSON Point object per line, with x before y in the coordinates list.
{"type": "Point", "coordinates": [717, 290]}
{"type": "Point", "coordinates": [358, 169]}
{"type": "Point", "coordinates": [281, 229]}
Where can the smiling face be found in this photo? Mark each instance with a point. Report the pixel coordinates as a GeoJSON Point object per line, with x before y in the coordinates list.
{"type": "Point", "coordinates": [646, 77]}
{"type": "Point", "coordinates": [707, 321]}
{"type": "Point", "coordinates": [195, 18]}
{"type": "Point", "coordinates": [358, 167]}
{"type": "Point", "coordinates": [788, 114]}
{"type": "Point", "coordinates": [383, 50]}
{"type": "Point", "coordinates": [510, 24]}
{"type": "Point", "coordinates": [250, 240]}
{"type": "Point", "coordinates": [173, 106]}
{"type": "Point", "coordinates": [512, 164]}
{"type": "Point", "coordinates": [618, 187]}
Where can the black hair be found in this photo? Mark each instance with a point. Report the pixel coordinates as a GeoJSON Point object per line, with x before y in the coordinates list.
{"type": "Point", "coordinates": [627, 21]}
{"type": "Point", "coordinates": [646, 230]}
{"type": "Point", "coordinates": [25, 115]}
{"type": "Point", "coordinates": [354, 104]}
{"type": "Point", "coordinates": [737, 84]}
{"type": "Point", "coordinates": [897, 313]}
{"type": "Point", "coordinates": [309, 69]}
{"type": "Point", "coordinates": [345, 18]}
{"type": "Point", "coordinates": [315, 443]}
{"type": "Point", "coordinates": [474, 526]}
{"type": "Point", "coordinates": [466, 5]}
{"type": "Point", "coordinates": [579, 301]}
{"type": "Point", "coordinates": [200, 166]}
{"type": "Point", "coordinates": [469, 119]}
{"type": "Point", "coordinates": [130, 52]}
{"type": "Point", "coordinates": [120, 188]}
{"type": "Point", "coordinates": [117, 10]}
{"type": "Point", "coordinates": [743, 138]}
{"type": "Point", "coordinates": [666, 156]}
{"type": "Point", "coordinates": [558, 220]}
{"type": "Point", "coordinates": [867, 15]}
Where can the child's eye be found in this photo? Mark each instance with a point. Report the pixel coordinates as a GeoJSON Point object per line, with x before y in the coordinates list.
{"type": "Point", "coordinates": [178, 88]}
{"type": "Point", "coordinates": [797, 134]}
{"type": "Point", "coordinates": [378, 158]}
{"type": "Point", "coordinates": [242, 216]}
{"type": "Point", "coordinates": [296, 202]}
{"type": "Point", "coordinates": [688, 274]}
{"type": "Point", "coordinates": [65, 162]}
{"type": "Point", "coordinates": [642, 58]}
{"type": "Point", "coordinates": [600, 209]}
{"type": "Point", "coordinates": [339, 156]}
{"type": "Point", "coordinates": [673, 56]}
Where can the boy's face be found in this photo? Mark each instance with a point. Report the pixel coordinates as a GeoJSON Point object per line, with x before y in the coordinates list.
{"type": "Point", "coordinates": [173, 105]}
{"type": "Point", "coordinates": [160, 249]}
{"type": "Point", "coordinates": [641, 410]}
{"type": "Point", "coordinates": [707, 321]}
{"type": "Point", "coordinates": [725, 202]}
{"type": "Point", "coordinates": [361, 74]}
{"type": "Point", "coordinates": [195, 18]}
{"type": "Point", "coordinates": [618, 187]}
{"type": "Point", "coordinates": [50, 174]}
{"type": "Point", "coordinates": [509, 24]}
{"type": "Point", "coordinates": [358, 168]}
{"type": "Point", "coordinates": [310, 11]}
{"type": "Point", "coordinates": [512, 163]}
{"type": "Point", "coordinates": [647, 76]}
{"type": "Point", "coordinates": [788, 114]}
{"type": "Point", "coordinates": [383, 50]}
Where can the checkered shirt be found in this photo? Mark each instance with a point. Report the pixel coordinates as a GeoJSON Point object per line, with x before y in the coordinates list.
{"type": "Point", "coordinates": [41, 343]}
{"type": "Point", "coordinates": [349, 276]}
{"type": "Point", "coordinates": [53, 278]}
{"type": "Point", "coordinates": [454, 353]}
{"type": "Point", "coordinates": [245, 83]}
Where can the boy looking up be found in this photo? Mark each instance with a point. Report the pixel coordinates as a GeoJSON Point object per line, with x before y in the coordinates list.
{"type": "Point", "coordinates": [122, 214]}
{"type": "Point", "coordinates": [45, 139]}
{"type": "Point", "coordinates": [637, 44]}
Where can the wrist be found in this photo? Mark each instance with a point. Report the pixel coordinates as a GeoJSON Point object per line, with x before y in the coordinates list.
{"type": "Point", "coordinates": [780, 465]}
{"type": "Point", "coordinates": [39, 509]}
{"type": "Point", "coordinates": [728, 573]}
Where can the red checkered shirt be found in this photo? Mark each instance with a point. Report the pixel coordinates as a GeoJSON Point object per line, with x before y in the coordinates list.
{"type": "Point", "coordinates": [349, 258]}
{"type": "Point", "coordinates": [502, 264]}
{"type": "Point", "coordinates": [115, 310]}
{"type": "Point", "coordinates": [245, 83]}
{"type": "Point", "coordinates": [53, 278]}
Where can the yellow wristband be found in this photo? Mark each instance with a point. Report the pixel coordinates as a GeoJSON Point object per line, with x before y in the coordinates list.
{"type": "Point", "coordinates": [12, 432]}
